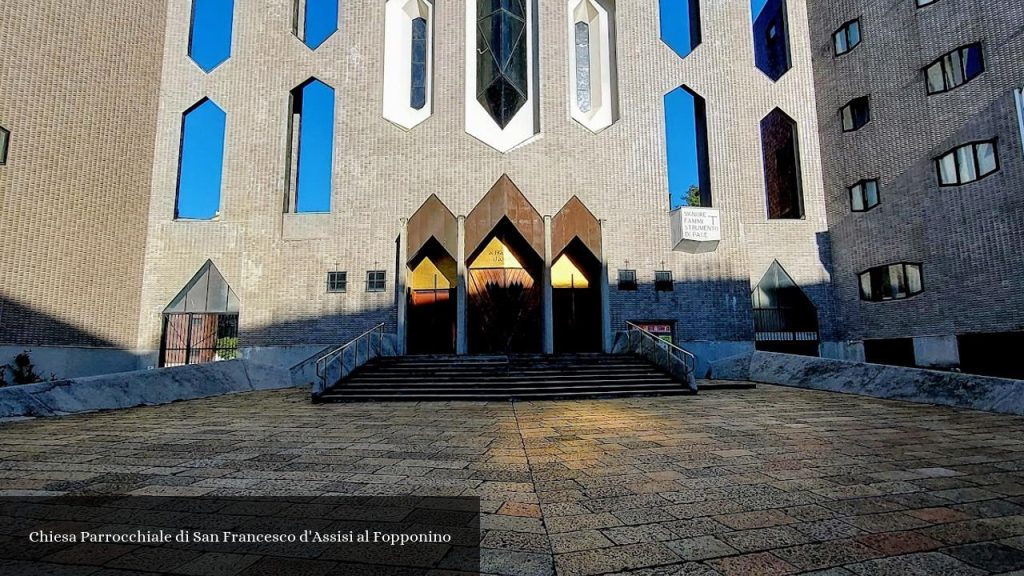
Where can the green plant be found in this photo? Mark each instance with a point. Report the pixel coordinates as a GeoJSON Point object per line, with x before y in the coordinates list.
{"type": "Point", "coordinates": [227, 347]}
{"type": "Point", "coordinates": [22, 371]}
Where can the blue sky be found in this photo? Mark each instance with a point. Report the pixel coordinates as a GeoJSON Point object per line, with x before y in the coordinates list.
{"type": "Point", "coordinates": [210, 40]}
{"type": "Point", "coordinates": [321, 21]}
{"type": "Point", "coordinates": [202, 162]}
{"type": "Point", "coordinates": [679, 106]}
{"type": "Point", "coordinates": [316, 148]}
{"type": "Point", "coordinates": [682, 145]}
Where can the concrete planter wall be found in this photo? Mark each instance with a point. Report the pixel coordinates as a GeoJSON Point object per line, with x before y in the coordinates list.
{"type": "Point", "coordinates": [141, 388]}
{"type": "Point", "coordinates": [896, 383]}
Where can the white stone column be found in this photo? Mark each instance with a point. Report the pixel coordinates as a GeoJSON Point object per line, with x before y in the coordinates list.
{"type": "Point", "coordinates": [548, 319]}
{"type": "Point", "coordinates": [400, 284]}
{"type": "Point", "coordinates": [461, 338]}
{"type": "Point", "coordinates": [606, 315]}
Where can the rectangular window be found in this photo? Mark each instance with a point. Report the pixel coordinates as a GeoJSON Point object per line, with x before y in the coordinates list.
{"type": "Point", "coordinates": [627, 279]}
{"type": "Point", "coordinates": [856, 114]}
{"type": "Point", "coordinates": [847, 37]}
{"type": "Point", "coordinates": [5, 138]}
{"type": "Point", "coordinates": [337, 282]}
{"type": "Point", "coordinates": [954, 69]}
{"type": "Point", "coordinates": [663, 281]}
{"type": "Point", "coordinates": [375, 280]}
{"type": "Point", "coordinates": [864, 195]}
{"type": "Point", "coordinates": [891, 282]}
{"type": "Point", "coordinates": [967, 163]}
{"type": "Point", "coordinates": [1020, 112]}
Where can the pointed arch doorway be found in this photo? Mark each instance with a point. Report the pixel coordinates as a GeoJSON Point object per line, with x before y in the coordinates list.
{"type": "Point", "coordinates": [432, 273]}
{"type": "Point", "coordinates": [576, 279]}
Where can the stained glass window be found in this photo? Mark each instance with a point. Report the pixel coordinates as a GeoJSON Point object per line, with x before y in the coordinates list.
{"type": "Point", "coordinates": [501, 75]}
{"type": "Point", "coordinates": [418, 97]}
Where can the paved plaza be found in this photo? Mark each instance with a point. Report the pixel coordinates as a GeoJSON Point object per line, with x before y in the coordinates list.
{"type": "Point", "coordinates": [766, 481]}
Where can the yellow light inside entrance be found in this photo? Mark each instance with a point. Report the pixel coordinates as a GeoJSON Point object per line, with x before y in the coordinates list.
{"type": "Point", "coordinates": [428, 276]}
{"type": "Point", "coordinates": [496, 255]}
{"type": "Point", "coordinates": [565, 274]}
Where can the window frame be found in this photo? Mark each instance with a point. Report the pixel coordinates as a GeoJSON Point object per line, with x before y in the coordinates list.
{"type": "Point", "coordinates": [864, 297]}
{"type": "Point", "coordinates": [844, 29]}
{"type": "Point", "coordinates": [333, 283]}
{"type": "Point", "coordinates": [5, 145]}
{"type": "Point", "coordinates": [941, 63]}
{"type": "Point", "coordinates": [627, 279]}
{"type": "Point", "coordinates": [974, 144]}
{"type": "Point", "coordinates": [663, 281]}
{"type": "Point", "coordinates": [372, 281]}
{"type": "Point", "coordinates": [849, 106]}
{"type": "Point", "coordinates": [862, 183]}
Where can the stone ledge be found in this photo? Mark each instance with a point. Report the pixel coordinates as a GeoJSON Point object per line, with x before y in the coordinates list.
{"type": "Point", "coordinates": [875, 380]}
{"type": "Point", "coordinates": [141, 388]}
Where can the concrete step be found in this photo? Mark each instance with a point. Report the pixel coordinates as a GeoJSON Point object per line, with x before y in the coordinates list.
{"type": "Point", "coordinates": [338, 395]}
{"type": "Point", "coordinates": [498, 377]}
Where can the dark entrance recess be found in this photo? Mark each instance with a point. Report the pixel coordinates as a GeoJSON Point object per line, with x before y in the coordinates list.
{"type": "Point", "coordinates": [993, 354]}
{"type": "Point", "coordinates": [201, 323]}
{"type": "Point", "coordinates": [431, 310]}
{"type": "Point", "coordinates": [891, 352]}
{"type": "Point", "coordinates": [785, 319]}
{"type": "Point", "coordinates": [503, 313]}
{"type": "Point", "coordinates": [576, 300]}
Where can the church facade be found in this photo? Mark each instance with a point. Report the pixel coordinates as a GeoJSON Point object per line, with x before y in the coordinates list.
{"type": "Point", "coordinates": [208, 179]}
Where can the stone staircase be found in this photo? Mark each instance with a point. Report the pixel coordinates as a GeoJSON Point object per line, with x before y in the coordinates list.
{"type": "Point", "coordinates": [514, 377]}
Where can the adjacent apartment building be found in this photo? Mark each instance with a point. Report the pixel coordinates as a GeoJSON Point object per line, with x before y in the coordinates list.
{"type": "Point", "coordinates": [205, 179]}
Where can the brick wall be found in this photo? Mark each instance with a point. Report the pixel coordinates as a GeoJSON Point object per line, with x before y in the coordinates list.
{"type": "Point", "coordinates": [79, 84]}
{"type": "Point", "coordinates": [968, 237]}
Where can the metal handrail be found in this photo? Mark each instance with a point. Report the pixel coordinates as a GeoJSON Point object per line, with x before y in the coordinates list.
{"type": "Point", "coordinates": [324, 363]}
{"type": "Point", "coordinates": [673, 353]}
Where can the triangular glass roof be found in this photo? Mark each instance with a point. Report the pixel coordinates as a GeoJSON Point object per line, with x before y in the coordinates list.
{"type": "Point", "coordinates": [778, 290]}
{"type": "Point", "coordinates": [206, 293]}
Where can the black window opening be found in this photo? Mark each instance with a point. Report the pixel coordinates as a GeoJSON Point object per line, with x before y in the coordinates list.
{"type": "Point", "coordinates": [967, 163]}
{"type": "Point", "coordinates": [663, 281]}
{"type": "Point", "coordinates": [864, 195]}
{"type": "Point", "coordinates": [771, 39]}
{"type": "Point", "coordinates": [856, 114]}
{"type": "Point", "coordinates": [890, 352]}
{"type": "Point", "coordinates": [781, 154]}
{"type": "Point", "coordinates": [337, 282]}
{"type": "Point", "coordinates": [891, 282]}
{"type": "Point", "coordinates": [376, 281]}
{"type": "Point", "coordinates": [627, 279]}
{"type": "Point", "coordinates": [847, 37]}
{"type": "Point", "coordinates": [986, 354]}
{"type": "Point", "coordinates": [201, 322]}
{"type": "Point", "coordinates": [5, 140]}
{"type": "Point", "coordinates": [785, 319]}
{"type": "Point", "coordinates": [955, 69]}
{"type": "Point", "coordinates": [501, 80]}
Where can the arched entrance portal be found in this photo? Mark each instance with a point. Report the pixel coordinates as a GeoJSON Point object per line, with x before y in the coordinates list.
{"type": "Point", "coordinates": [502, 279]}
{"type": "Point", "coordinates": [576, 279]}
{"type": "Point", "coordinates": [431, 301]}
{"type": "Point", "coordinates": [504, 294]}
{"type": "Point", "coordinates": [504, 238]}
{"type": "Point", "coordinates": [432, 273]}
{"type": "Point", "coordinates": [576, 300]}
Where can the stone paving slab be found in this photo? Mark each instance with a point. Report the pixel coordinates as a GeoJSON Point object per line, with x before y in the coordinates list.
{"type": "Point", "coordinates": [739, 482]}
